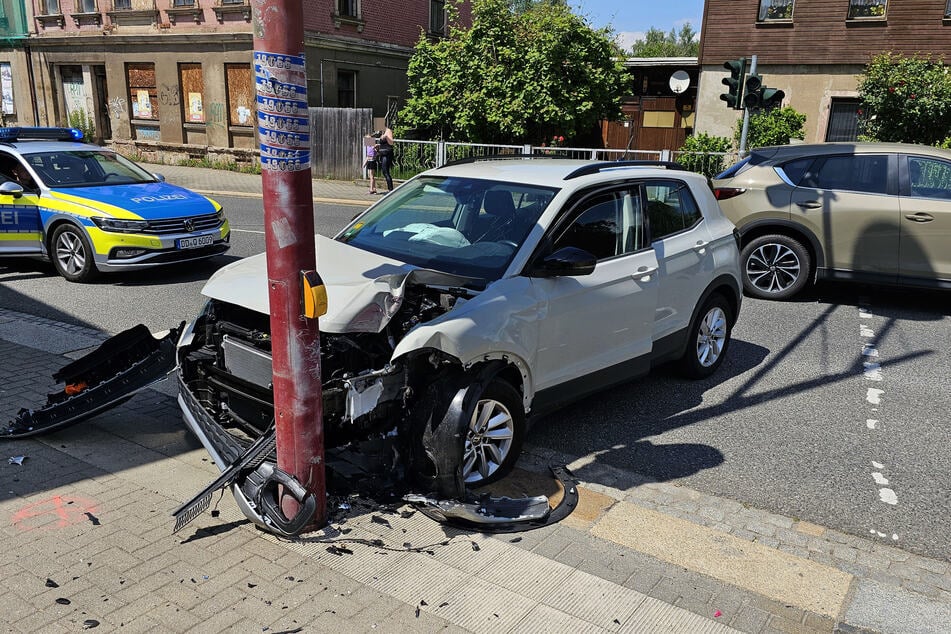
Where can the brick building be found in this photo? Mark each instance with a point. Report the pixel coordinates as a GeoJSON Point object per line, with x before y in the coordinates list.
{"type": "Point", "coordinates": [176, 76]}
{"type": "Point", "coordinates": [814, 50]}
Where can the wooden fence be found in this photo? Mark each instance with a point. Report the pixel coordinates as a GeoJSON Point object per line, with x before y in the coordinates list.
{"type": "Point", "coordinates": [336, 138]}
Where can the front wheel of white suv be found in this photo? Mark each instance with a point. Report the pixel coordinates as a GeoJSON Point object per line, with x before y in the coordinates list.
{"type": "Point", "coordinates": [708, 338]}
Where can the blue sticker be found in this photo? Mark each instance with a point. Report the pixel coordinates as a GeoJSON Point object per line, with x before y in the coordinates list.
{"type": "Point", "coordinates": [282, 106]}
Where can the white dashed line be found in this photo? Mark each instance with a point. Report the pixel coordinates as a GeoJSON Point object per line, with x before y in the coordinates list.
{"type": "Point", "coordinates": [865, 331]}
{"type": "Point", "coordinates": [871, 423]}
{"type": "Point", "coordinates": [874, 396]}
{"type": "Point", "coordinates": [873, 371]}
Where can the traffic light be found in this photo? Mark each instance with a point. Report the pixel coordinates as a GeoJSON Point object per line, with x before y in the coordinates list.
{"type": "Point", "coordinates": [737, 68]}
{"type": "Point", "coordinates": [752, 94]}
{"type": "Point", "coordinates": [771, 97]}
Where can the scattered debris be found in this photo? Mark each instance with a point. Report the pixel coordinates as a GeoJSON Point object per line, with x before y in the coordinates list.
{"type": "Point", "coordinates": [339, 550]}
{"type": "Point", "coordinates": [18, 460]}
{"type": "Point", "coordinates": [475, 546]}
{"type": "Point", "coordinates": [252, 585]}
{"type": "Point", "coordinates": [51, 584]}
{"type": "Point", "coordinates": [376, 519]}
{"type": "Point", "coordinates": [121, 366]}
{"type": "Point", "coordinates": [63, 601]}
{"type": "Point", "coordinates": [93, 519]}
{"type": "Point", "coordinates": [717, 614]}
{"type": "Point", "coordinates": [88, 624]}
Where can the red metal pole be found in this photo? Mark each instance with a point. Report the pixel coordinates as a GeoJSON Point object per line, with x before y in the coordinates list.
{"type": "Point", "coordinates": [284, 137]}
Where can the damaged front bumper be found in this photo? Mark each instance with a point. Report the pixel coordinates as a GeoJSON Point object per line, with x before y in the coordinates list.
{"type": "Point", "coordinates": [121, 366]}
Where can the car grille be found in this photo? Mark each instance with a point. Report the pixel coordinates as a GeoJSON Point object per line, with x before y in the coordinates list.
{"type": "Point", "coordinates": [183, 225]}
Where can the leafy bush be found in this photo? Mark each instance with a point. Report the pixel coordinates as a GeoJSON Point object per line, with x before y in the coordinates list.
{"type": "Point", "coordinates": [80, 120]}
{"type": "Point", "coordinates": [905, 99]}
{"type": "Point", "coordinates": [772, 127]}
{"type": "Point", "coordinates": [704, 153]}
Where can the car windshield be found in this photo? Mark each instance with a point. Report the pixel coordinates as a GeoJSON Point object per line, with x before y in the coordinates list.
{"type": "Point", "coordinates": [464, 226]}
{"type": "Point", "coordinates": [85, 168]}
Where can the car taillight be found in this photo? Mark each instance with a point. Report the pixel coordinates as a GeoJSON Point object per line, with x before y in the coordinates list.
{"type": "Point", "coordinates": [724, 193]}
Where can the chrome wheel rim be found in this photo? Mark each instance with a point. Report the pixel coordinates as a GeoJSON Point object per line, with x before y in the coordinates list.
{"type": "Point", "coordinates": [711, 337]}
{"type": "Point", "coordinates": [488, 440]}
{"type": "Point", "coordinates": [773, 267]}
{"type": "Point", "coordinates": [70, 252]}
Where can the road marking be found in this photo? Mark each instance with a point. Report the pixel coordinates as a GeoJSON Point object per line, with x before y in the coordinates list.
{"type": "Point", "coordinates": [871, 423]}
{"type": "Point", "coordinates": [58, 511]}
{"type": "Point", "coordinates": [874, 396]}
{"type": "Point", "coordinates": [872, 371]}
{"type": "Point", "coordinates": [747, 565]}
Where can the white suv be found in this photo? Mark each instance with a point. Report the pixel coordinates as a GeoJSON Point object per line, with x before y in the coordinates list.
{"type": "Point", "coordinates": [473, 298]}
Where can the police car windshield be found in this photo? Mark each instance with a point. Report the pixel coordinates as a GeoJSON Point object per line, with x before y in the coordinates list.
{"type": "Point", "coordinates": [85, 168]}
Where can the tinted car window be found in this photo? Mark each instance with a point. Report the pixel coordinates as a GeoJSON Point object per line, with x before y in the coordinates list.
{"type": "Point", "coordinates": [929, 178]}
{"type": "Point", "coordinates": [859, 173]}
{"type": "Point", "coordinates": [670, 208]}
{"type": "Point", "coordinates": [795, 170]}
{"type": "Point", "coordinates": [611, 224]}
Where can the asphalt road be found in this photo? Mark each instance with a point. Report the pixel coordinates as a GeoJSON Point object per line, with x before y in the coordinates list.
{"type": "Point", "coordinates": [832, 409]}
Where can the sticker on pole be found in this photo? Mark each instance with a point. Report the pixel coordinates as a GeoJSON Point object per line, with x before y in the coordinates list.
{"type": "Point", "coordinates": [283, 121]}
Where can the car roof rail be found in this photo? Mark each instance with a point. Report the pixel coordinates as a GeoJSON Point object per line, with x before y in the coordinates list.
{"type": "Point", "coordinates": [14, 134]}
{"type": "Point", "coordinates": [595, 168]}
{"type": "Point", "coordinates": [495, 157]}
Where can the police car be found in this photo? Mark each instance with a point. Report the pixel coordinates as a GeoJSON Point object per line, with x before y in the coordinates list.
{"type": "Point", "coordinates": [90, 210]}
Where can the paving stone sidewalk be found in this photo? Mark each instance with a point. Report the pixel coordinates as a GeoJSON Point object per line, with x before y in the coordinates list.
{"type": "Point", "coordinates": [89, 510]}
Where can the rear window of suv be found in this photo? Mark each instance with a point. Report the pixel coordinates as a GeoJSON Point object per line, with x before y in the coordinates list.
{"type": "Point", "coordinates": [795, 170]}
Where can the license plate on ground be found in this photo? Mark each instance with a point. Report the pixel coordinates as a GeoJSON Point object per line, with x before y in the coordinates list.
{"type": "Point", "coordinates": [194, 243]}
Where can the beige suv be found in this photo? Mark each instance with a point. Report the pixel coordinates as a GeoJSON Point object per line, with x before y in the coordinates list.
{"type": "Point", "coordinates": [867, 212]}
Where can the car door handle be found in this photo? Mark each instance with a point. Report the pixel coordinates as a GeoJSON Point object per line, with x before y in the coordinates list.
{"type": "Point", "coordinates": [810, 204]}
{"type": "Point", "coordinates": [700, 246]}
{"type": "Point", "coordinates": [644, 271]}
{"type": "Point", "coordinates": [920, 217]}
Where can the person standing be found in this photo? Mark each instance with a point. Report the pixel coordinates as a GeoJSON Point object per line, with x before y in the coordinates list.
{"type": "Point", "coordinates": [385, 156]}
{"type": "Point", "coordinates": [369, 162]}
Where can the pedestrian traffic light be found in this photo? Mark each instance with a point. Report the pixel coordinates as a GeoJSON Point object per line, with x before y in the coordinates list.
{"type": "Point", "coordinates": [737, 68]}
{"type": "Point", "coordinates": [771, 97]}
{"type": "Point", "coordinates": [753, 96]}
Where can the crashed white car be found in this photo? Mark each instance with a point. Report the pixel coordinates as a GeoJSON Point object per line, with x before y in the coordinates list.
{"type": "Point", "coordinates": [472, 299]}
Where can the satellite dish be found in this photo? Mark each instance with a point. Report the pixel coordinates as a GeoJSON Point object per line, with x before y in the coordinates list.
{"type": "Point", "coordinates": [679, 81]}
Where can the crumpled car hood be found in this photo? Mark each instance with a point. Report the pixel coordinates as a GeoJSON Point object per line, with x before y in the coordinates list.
{"type": "Point", "coordinates": [364, 290]}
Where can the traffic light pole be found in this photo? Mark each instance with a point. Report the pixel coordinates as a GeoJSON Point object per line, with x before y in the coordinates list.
{"type": "Point", "coordinates": [284, 138]}
{"type": "Point", "coordinates": [746, 115]}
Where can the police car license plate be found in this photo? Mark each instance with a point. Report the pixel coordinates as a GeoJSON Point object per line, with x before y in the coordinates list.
{"type": "Point", "coordinates": [194, 243]}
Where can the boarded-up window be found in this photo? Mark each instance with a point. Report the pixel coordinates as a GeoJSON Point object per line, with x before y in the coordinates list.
{"type": "Point", "coordinates": [142, 93]}
{"type": "Point", "coordinates": [240, 94]}
{"type": "Point", "coordinates": [193, 89]}
{"type": "Point", "coordinates": [658, 119]}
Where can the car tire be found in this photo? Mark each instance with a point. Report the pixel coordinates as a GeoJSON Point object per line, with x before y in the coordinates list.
{"type": "Point", "coordinates": [71, 254]}
{"type": "Point", "coordinates": [775, 267]}
{"type": "Point", "coordinates": [709, 338]}
{"type": "Point", "coordinates": [466, 432]}
{"type": "Point", "coordinates": [496, 429]}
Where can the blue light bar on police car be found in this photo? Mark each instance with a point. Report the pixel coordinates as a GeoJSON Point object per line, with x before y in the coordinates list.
{"type": "Point", "coordinates": [9, 135]}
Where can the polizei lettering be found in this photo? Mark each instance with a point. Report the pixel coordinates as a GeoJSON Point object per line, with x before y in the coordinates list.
{"type": "Point", "coordinates": [158, 199]}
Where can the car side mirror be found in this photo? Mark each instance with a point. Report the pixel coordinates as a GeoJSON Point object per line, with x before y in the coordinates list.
{"type": "Point", "coordinates": [11, 188]}
{"type": "Point", "coordinates": [566, 262]}
{"type": "Point", "coordinates": [159, 177]}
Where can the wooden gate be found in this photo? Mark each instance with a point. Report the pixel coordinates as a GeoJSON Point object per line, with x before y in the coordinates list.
{"type": "Point", "coordinates": [336, 141]}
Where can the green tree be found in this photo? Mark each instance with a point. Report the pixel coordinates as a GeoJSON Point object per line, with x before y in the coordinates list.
{"type": "Point", "coordinates": [905, 99]}
{"type": "Point", "coordinates": [656, 43]}
{"type": "Point", "coordinates": [514, 77]}
{"type": "Point", "coordinates": [772, 127]}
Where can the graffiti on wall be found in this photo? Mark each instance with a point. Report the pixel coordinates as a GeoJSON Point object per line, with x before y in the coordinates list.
{"type": "Point", "coordinates": [168, 95]}
{"type": "Point", "coordinates": [116, 107]}
{"type": "Point", "coordinates": [216, 115]}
